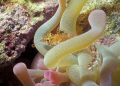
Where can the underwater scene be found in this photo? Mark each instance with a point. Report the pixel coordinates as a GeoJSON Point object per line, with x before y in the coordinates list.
{"type": "Point", "coordinates": [59, 42]}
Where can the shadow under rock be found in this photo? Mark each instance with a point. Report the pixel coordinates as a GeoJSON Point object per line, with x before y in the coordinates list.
{"type": "Point", "coordinates": [7, 77]}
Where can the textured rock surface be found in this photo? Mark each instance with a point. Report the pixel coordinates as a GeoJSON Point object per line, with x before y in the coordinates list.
{"type": "Point", "coordinates": [46, 11]}
{"type": "Point", "coordinates": [18, 24]}
{"type": "Point", "coordinates": [111, 8]}
{"type": "Point", "coordinates": [13, 42]}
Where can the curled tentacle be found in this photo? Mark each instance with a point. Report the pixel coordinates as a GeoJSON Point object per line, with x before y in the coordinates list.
{"type": "Point", "coordinates": [97, 20]}
{"type": "Point", "coordinates": [47, 28]}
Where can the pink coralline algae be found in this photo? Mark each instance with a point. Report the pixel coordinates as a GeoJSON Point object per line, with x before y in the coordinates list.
{"type": "Point", "coordinates": [13, 39]}
{"type": "Point", "coordinates": [17, 27]}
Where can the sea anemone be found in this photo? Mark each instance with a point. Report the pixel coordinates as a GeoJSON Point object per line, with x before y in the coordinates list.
{"type": "Point", "coordinates": [67, 62]}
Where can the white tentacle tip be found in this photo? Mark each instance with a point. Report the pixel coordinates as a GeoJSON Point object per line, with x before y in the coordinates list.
{"type": "Point", "coordinates": [97, 19]}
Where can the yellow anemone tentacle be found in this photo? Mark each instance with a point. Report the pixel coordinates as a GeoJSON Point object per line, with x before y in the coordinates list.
{"type": "Point", "coordinates": [69, 17]}
{"type": "Point", "coordinates": [97, 20]}
{"type": "Point", "coordinates": [87, 77]}
{"type": "Point", "coordinates": [115, 48]}
{"type": "Point", "coordinates": [68, 61]}
{"type": "Point", "coordinates": [73, 73]}
{"type": "Point", "coordinates": [47, 28]}
{"type": "Point", "coordinates": [116, 77]}
{"type": "Point", "coordinates": [84, 58]}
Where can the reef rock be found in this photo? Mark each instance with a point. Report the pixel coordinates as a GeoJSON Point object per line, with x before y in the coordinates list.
{"type": "Point", "coordinates": [18, 23]}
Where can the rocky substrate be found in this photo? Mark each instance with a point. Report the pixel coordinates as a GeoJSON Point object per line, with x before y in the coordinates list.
{"type": "Point", "coordinates": [7, 77]}
{"type": "Point", "coordinates": [18, 24]}
{"type": "Point", "coordinates": [12, 42]}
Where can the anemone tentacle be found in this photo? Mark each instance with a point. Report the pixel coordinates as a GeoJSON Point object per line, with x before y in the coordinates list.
{"type": "Point", "coordinates": [20, 70]}
{"type": "Point", "coordinates": [97, 20]}
{"type": "Point", "coordinates": [87, 77]}
{"type": "Point", "coordinates": [47, 28]}
{"type": "Point", "coordinates": [69, 17]}
{"type": "Point", "coordinates": [110, 63]}
{"type": "Point", "coordinates": [73, 73]}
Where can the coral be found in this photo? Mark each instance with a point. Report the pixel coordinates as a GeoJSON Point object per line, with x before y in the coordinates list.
{"type": "Point", "coordinates": [13, 33]}
{"type": "Point", "coordinates": [106, 40]}
{"type": "Point", "coordinates": [18, 23]}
